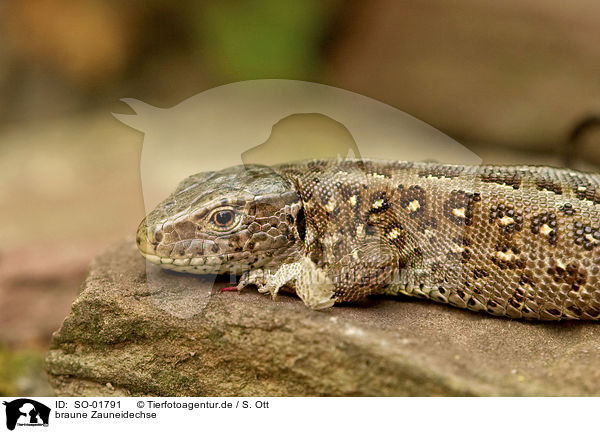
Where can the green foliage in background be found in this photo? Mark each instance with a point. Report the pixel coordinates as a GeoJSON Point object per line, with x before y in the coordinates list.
{"type": "Point", "coordinates": [21, 372]}
{"type": "Point", "coordinates": [262, 38]}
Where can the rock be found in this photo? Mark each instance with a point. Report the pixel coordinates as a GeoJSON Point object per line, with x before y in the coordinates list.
{"type": "Point", "coordinates": [160, 333]}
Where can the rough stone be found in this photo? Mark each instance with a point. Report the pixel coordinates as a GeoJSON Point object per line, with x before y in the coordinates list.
{"type": "Point", "coordinates": [133, 332]}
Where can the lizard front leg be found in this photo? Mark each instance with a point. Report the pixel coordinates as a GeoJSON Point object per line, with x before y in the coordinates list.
{"type": "Point", "coordinates": [367, 270]}
{"type": "Point", "coordinates": [311, 283]}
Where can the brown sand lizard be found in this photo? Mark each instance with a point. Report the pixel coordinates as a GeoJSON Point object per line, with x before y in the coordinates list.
{"type": "Point", "coordinates": [517, 241]}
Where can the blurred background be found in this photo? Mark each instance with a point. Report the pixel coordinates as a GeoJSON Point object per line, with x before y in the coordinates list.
{"type": "Point", "coordinates": [510, 80]}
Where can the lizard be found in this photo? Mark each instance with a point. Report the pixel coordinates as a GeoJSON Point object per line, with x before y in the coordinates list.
{"type": "Point", "coordinates": [515, 241]}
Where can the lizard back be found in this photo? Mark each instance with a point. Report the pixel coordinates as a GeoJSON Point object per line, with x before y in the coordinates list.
{"type": "Point", "coordinates": [515, 241]}
{"type": "Point", "coordinates": [519, 241]}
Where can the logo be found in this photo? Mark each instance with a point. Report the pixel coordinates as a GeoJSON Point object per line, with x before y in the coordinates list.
{"type": "Point", "coordinates": [263, 122]}
{"type": "Point", "coordinates": [26, 412]}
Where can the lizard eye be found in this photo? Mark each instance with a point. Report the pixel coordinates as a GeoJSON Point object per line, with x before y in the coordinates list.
{"type": "Point", "coordinates": [223, 219]}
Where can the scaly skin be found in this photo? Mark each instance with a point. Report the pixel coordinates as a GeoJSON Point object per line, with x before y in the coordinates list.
{"type": "Point", "coordinates": [522, 242]}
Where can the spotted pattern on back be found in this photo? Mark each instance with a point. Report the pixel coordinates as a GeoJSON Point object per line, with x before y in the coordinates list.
{"type": "Point", "coordinates": [522, 242]}
{"type": "Point", "coordinates": [515, 241]}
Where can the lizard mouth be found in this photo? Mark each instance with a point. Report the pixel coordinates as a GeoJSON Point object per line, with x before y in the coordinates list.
{"type": "Point", "coordinates": [205, 256]}
{"type": "Point", "coordinates": [236, 262]}
{"type": "Point", "coordinates": [191, 252]}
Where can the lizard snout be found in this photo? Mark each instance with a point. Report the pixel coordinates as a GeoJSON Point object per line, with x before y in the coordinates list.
{"type": "Point", "coordinates": [147, 238]}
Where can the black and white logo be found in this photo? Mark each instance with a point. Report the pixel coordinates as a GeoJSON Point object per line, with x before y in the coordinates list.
{"type": "Point", "coordinates": [26, 412]}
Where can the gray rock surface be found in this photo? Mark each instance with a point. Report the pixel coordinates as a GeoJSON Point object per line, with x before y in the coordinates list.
{"type": "Point", "coordinates": [136, 333]}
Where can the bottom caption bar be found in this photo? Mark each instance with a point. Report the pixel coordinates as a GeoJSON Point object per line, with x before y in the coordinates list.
{"type": "Point", "coordinates": [278, 414]}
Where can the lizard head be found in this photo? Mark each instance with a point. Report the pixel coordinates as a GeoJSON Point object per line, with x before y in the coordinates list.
{"type": "Point", "coordinates": [227, 221]}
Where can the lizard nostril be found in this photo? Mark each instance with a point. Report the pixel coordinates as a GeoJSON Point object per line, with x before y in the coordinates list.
{"type": "Point", "coordinates": [153, 235]}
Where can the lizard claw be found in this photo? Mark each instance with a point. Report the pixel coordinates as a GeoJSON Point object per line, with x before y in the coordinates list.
{"type": "Point", "coordinates": [269, 288]}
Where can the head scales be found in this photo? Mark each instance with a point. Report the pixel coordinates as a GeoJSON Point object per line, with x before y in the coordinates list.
{"type": "Point", "coordinates": [227, 221]}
